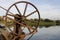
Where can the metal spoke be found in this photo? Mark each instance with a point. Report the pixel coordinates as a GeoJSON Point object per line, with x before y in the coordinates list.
{"type": "Point", "coordinates": [9, 28]}
{"type": "Point", "coordinates": [10, 15]}
{"type": "Point", "coordinates": [17, 9]}
{"type": "Point", "coordinates": [25, 9]}
{"type": "Point", "coordinates": [31, 21]}
{"type": "Point", "coordinates": [21, 20]}
{"type": "Point", "coordinates": [21, 23]}
{"type": "Point", "coordinates": [13, 15]}
{"type": "Point", "coordinates": [5, 9]}
{"type": "Point", "coordinates": [9, 12]}
{"type": "Point", "coordinates": [31, 13]}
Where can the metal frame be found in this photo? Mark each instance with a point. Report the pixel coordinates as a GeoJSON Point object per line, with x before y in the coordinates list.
{"type": "Point", "coordinates": [24, 17]}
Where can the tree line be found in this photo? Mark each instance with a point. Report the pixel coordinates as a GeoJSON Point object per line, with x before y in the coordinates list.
{"type": "Point", "coordinates": [43, 22]}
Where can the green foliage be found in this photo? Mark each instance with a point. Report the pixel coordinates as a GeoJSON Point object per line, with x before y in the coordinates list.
{"type": "Point", "coordinates": [48, 20]}
{"type": "Point", "coordinates": [47, 23]}
{"type": "Point", "coordinates": [57, 22]}
{"type": "Point", "coordinates": [32, 22]}
{"type": "Point", "coordinates": [1, 19]}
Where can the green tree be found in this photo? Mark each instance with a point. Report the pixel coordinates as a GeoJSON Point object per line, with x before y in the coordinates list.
{"type": "Point", "coordinates": [57, 22]}
{"type": "Point", "coordinates": [48, 20]}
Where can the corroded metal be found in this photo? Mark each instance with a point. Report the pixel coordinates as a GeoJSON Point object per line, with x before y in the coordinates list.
{"type": "Point", "coordinates": [20, 21]}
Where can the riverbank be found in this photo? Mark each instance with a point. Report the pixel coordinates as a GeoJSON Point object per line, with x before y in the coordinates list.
{"type": "Point", "coordinates": [43, 22]}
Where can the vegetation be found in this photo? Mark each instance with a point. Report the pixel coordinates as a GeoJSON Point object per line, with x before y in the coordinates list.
{"type": "Point", "coordinates": [1, 19]}
{"type": "Point", "coordinates": [45, 22]}
{"type": "Point", "coordinates": [57, 22]}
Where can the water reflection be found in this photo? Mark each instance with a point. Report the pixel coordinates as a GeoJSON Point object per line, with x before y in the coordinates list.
{"type": "Point", "coordinates": [51, 33]}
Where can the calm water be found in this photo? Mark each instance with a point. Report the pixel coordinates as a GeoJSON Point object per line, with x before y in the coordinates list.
{"type": "Point", "coordinates": [51, 33]}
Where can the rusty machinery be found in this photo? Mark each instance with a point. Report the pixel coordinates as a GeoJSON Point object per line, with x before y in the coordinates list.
{"type": "Point", "coordinates": [19, 22]}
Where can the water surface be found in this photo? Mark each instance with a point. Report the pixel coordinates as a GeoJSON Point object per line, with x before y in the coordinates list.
{"type": "Point", "coordinates": [51, 33]}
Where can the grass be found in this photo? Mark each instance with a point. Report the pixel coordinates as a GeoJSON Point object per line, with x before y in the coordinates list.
{"type": "Point", "coordinates": [47, 23]}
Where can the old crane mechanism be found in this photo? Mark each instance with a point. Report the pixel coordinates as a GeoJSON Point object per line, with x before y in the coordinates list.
{"type": "Point", "coordinates": [15, 23]}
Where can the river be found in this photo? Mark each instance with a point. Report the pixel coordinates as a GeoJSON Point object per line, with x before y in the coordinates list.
{"type": "Point", "coordinates": [51, 33]}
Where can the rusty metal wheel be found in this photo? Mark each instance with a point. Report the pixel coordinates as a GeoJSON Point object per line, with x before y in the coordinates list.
{"type": "Point", "coordinates": [25, 18]}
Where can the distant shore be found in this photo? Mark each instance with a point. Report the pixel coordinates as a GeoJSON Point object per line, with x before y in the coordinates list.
{"type": "Point", "coordinates": [45, 22]}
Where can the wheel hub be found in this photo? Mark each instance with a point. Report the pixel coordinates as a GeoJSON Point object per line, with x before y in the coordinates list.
{"type": "Point", "coordinates": [21, 20]}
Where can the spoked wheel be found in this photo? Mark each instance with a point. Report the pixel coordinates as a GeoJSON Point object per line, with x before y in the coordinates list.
{"type": "Point", "coordinates": [21, 20]}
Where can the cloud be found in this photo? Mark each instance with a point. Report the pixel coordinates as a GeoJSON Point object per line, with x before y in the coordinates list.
{"type": "Point", "coordinates": [47, 8]}
{"type": "Point", "coordinates": [49, 11]}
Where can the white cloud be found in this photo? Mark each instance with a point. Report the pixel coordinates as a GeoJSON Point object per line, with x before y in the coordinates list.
{"type": "Point", "coordinates": [49, 11]}
{"type": "Point", "coordinates": [46, 10]}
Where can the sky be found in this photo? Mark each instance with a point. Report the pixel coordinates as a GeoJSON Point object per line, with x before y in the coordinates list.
{"type": "Point", "coordinates": [48, 8]}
